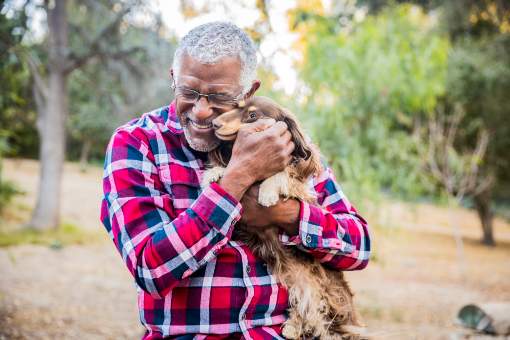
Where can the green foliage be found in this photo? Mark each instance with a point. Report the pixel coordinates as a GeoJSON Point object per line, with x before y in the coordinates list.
{"type": "Point", "coordinates": [17, 115]}
{"type": "Point", "coordinates": [110, 91]}
{"type": "Point", "coordinates": [367, 87]}
{"type": "Point", "coordinates": [474, 18]}
{"type": "Point", "coordinates": [123, 81]}
{"type": "Point", "coordinates": [479, 80]}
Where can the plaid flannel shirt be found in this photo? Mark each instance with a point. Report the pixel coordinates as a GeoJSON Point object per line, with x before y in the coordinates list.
{"type": "Point", "coordinates": [193, 280]}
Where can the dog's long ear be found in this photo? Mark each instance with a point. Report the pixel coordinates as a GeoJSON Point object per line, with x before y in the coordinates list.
{"type": "Point", "coordinates": [221, 155]}
{"type": "Point", "coordinates": [306, 156]}
{"type": "Point", "coordinates": [301, 150]}
{"type": "Point", "coordinates": [311, 166]}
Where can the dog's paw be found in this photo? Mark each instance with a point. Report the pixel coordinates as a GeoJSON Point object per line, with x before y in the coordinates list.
{"type": "Point", "coordinates": [270, 189]}
{"type": "Point", "coordinates": [268, 197]}
{"type": "Point", "coordinates": [212, 175]}
{"type": "Point", "coordinates": [290, 331]}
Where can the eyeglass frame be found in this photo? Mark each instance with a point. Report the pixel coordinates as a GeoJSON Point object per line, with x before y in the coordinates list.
{"type": "Point", "coordinates": [235, 100]}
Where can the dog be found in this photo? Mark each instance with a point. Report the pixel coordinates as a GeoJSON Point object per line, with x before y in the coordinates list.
{"type": "Point", "coordinates": [320, 300]}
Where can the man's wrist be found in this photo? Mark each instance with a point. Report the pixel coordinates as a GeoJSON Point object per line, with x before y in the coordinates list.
{"type": "Point", "coordinates": [286, 216]}
{"type": "Point", "coordinates": [235, 182]}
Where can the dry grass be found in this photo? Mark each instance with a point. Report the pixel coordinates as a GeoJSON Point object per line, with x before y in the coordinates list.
{"type": "Point", "coordinates": [81, 190]}
{"type": "Point", "coordinates": [412, 288]}
{"type": "Point", "coordinates": [418, 282]}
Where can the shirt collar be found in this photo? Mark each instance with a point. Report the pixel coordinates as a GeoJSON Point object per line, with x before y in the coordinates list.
{"type": "Point", "coordinates": [173, 122]}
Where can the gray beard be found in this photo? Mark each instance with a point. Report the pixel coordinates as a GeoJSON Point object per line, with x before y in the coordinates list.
{"type": "Point", "coordinates": [197, 146]}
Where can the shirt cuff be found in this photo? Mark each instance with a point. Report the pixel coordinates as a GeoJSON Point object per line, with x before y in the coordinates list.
{"type": "Point", "coordinates": [311, 220]}
{"type": "Point", "coordinates": [218, 209]}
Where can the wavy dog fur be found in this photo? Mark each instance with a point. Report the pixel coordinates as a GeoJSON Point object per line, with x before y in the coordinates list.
{"type": "Point", "coordinates": [320, 300]}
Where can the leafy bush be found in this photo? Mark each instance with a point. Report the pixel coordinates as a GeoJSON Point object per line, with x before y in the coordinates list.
{"type": "Point", "coordinates": [366, 88]}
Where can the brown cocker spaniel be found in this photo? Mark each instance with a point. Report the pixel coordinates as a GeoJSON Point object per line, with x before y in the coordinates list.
{"type": "Point", "coordinates": [320, 300]}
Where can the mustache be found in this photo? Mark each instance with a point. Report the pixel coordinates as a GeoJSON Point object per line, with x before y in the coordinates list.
{"type": "Point", "coordinates": [188, 116]}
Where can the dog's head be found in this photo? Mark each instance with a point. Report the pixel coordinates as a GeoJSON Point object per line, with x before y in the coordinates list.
{"type": "Point", "coordinates": [228, 124]}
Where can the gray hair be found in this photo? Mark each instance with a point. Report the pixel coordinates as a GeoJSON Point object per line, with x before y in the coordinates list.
{"type": "Point", "coordinates": [210, 42]}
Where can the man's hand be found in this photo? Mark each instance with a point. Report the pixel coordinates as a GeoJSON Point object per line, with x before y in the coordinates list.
{"type": "Point", "coordinates": [261, 149]}
{"type": "Point", "coordinates": [285, 214]}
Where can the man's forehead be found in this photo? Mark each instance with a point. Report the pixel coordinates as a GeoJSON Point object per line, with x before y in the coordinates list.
{"type": "Point", "coordinates": [226, 71]}
{"type": "Point", "coordinates": [190, 80]}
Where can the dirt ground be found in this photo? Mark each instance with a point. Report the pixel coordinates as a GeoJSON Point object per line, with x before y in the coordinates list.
{"type": "Point", "coordinates": [412, 288]}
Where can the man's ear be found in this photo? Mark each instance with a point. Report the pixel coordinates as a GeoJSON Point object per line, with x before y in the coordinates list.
{"type": "Point", "coordinates": [254, 87]}
{"type": "Point", "coordinates": [172, 78]}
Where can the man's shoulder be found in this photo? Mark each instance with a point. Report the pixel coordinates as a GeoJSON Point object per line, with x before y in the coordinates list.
{"type": "Point", "coordinates": [158, 126]}
{"type": "Point", "coordinates": [161, 119]}
{"type": "Point", "coordinates": [152, 124]}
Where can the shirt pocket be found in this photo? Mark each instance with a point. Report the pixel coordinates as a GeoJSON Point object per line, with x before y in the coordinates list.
{"type": "Point", "coordinates": [182, 183]}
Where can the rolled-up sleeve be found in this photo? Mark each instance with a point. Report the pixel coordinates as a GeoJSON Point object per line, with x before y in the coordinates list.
{"type": "Point", "coordinates": [332, 231]}
{"type": "Point", "coordinates": [159, 251]}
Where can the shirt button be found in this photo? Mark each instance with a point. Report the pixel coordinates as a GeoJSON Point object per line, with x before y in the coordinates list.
{"type": "Point", "coordinates": [243, 317]}
{"type": "Point", "coordinates": [248, 269]}
{"type": "Point", "coordinates": [308, 239]}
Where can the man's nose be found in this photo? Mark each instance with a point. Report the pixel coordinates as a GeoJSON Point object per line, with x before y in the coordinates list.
{"type": "Point", "coordinates": [202, 110]}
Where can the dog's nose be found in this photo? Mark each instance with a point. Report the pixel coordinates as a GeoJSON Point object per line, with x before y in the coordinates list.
{"type": "Point", "coordinates": [216, 125]}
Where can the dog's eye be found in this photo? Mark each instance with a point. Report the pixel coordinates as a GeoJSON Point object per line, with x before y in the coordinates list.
{"type": "Point", "coordinates": [252, 115]}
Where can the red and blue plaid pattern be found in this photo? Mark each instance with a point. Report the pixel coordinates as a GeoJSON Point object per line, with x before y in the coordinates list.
{"type": "Point", "coordinates": [193, 281]}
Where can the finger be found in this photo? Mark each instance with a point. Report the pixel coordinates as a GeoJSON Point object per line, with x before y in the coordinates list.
{"type": "Point", "coordinates": [259, 125]}
{"type": "Point", "coordinates": [290, 148]}
{"type": "Point", "coordinates": [287, 136]}
{"type": "Point", "coordinates": [277, 128]}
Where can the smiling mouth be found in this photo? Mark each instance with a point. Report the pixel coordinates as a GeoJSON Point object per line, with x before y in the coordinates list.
{"type": "Point", "coordinates": [200, 126]}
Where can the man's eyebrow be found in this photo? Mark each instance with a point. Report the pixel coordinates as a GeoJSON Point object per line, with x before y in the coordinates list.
{"type": "Point", "coordinates": [185, 87]}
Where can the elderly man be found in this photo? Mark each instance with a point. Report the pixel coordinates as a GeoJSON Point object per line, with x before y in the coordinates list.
{"type": "Point", "coordinates": [194, 281]}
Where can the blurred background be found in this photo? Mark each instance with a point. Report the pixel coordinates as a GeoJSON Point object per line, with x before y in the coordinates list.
{"type": "Point", "coordinates": [408, 101]}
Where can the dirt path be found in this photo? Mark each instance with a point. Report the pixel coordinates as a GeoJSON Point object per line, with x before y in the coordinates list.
{"type": "Point", "coordinates": [79, 292]}
{"type": "Point", "coordinates": [411, 290]}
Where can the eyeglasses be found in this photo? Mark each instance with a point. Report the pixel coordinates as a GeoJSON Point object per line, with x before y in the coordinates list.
{"type": "Point", "coordinates": [215, 99]}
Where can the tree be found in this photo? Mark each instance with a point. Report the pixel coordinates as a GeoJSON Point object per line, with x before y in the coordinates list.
{"type": "Point", "coordinates": [67, 49]}
{"type": "Point", "coordinates": [479, 80]}
{"type": "Point", "coordinates": [106, 93]}
{"type": "Point", "coordinates": [17, 108]}
{"type": "Point", "coordinates": [455, 167]}
{"type": "Point", "coordinates": [466, 64]}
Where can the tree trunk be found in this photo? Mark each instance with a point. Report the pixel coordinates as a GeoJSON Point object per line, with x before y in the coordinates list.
{"type": "Point", "coordinates": [52, 121]}
{"type": "Point", "coordinates": [84, 155]}
{"type": "Point", "coordinates": [484, 209]}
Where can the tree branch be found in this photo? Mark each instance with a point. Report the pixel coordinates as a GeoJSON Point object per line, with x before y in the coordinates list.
{"type": "Point", "coordinates": [121, 53]}
{"type": "Point", "coordinates": [75, 61]}
{"type": "Point", "coordinates": [40, 84]}
{"type": "Point", "coordinates": [459, 173]}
